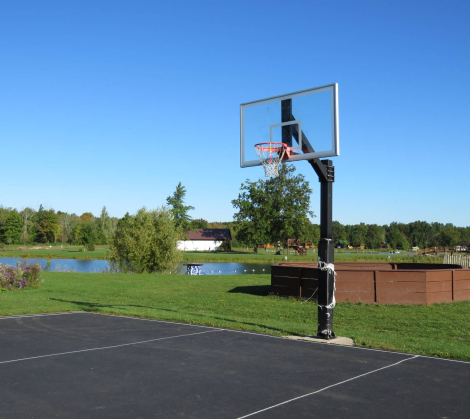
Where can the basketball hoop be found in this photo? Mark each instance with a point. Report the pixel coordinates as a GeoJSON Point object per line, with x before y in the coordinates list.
{"type": "Point", "coordinates": [271, 155]}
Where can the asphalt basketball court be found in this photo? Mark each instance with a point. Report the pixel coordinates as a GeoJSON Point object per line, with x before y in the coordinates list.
{"type": "Point", "coordinates": [85, 365]}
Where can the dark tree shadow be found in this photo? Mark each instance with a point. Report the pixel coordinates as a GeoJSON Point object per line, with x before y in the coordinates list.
{"type": "Point", "coordinates": [252, 290]}
{"type": "Point", "coordinates": [90, 306]}
{"type": "Point", "coordinates": [215, 233]}
{"type": "Point", "coordinates": [93, 307]}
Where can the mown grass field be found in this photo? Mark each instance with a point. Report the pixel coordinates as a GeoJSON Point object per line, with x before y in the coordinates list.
{"type": "Point", "coordinates": [101, 252]}
{"type": "Point", "coordinates": [243, 302]}
{"type": "Point", "coordinates": [55, 252]}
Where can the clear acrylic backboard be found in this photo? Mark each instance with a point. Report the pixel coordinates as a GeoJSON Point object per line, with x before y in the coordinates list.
{"type": "Point", "coordinates": [312, 113]}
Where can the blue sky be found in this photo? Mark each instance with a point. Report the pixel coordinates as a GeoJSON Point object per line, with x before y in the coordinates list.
{"type": "Point", "coordinates": [115, 102]}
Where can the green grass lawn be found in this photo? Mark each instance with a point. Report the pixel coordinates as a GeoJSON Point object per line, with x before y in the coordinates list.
{"type": "Point", "coordinates": [55, 252]}
{"type": "Point", "coordinates": [243, 302]}
{"type": "Point", "coordinates": [270, 257]}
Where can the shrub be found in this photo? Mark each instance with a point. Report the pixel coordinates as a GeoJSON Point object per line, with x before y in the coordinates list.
{"type": "Point", "coordinates": [20, 277]}
{"type": "Point", "coordinates": [90, 247]}
{"type": "Point", "coordinates": [85, 234]}
{"type": "Point", "coordinates": [146, 242]}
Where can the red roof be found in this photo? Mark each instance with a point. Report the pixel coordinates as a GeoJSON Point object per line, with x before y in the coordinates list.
{"type": "Point", "coordinates": [213, 234]}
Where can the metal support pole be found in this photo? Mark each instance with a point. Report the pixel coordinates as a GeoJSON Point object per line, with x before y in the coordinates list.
{"type": "Point", "coordinates": [286, 116]}
{"type": "Point", "coordinates": [326, 174]}
{"type": "Point", "coordinates": [326, 255]}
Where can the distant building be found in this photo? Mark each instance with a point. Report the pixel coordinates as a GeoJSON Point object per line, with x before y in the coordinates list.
{"type": "Point", "coordinates": [206, 239]}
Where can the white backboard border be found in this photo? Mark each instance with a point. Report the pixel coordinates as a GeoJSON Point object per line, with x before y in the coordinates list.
{"type": "Point", "coordinates": [334, 151]}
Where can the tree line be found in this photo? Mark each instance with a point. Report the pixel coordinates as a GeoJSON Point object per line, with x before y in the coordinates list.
{"type": "Point", "coordinates": [267, 211]}
{"type": "Point", "coordinates": [401, 235]}
{"type": "Point", "coordinates": [30, 226]}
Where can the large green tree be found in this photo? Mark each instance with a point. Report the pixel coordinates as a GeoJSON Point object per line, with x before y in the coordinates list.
{"type": "Point", "coordinates": [12, 229]}
{"type": "Point", "coordinates": [4, 214]}
{"type": "Point", "coordinates": [273, 210]}
{"type": "Point", "coordinates": [178, 209]}
{"type": "Point", "coordinates": [47, 225]}
{"type": "Point", "coordinates": [448, 235]}
{"type": "Point", "coordinates": [464, 236]}
{"type": "Point", "coordinates": [396, 238]}
{"type": "Point", "coordinates": [27, 217]}
{"type": "Point", "coordinates": [311, 234]}
{"type": "Point", "coordinates": [146, 242]}
{"type": "Point", "coordinates": [103, 224]}
{"type": "Point", "coordinates": [420, 234]}
{"type": "Point", "coordinates": [375, 236]}
{"type": "Point", "coordinates": [339, 233]}
{"type": "Point", "coordinates": [68, 224]}
{"type": "Point", "coordinates": [358, 234]}
{"type": "Point", "coordinates": [86, 234]}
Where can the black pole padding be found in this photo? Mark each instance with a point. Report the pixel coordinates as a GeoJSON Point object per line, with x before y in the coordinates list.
{"type": "Point", "coordinates": [325, 290]}
{"type": "Point", "coordinates": [326, 256]}
{"type": "Point", "coordinates": [326, 204]}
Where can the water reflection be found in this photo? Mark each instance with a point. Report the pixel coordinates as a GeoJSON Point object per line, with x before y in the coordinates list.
{"type": "Point", "coordinates": [98, 266]}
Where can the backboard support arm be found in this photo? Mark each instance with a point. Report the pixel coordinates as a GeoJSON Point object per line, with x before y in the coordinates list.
{"type": "Point", "coordinates": [286, 116]}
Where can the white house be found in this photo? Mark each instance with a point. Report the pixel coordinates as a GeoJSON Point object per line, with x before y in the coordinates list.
{"type": "Point", "coordinates": [205, 239]}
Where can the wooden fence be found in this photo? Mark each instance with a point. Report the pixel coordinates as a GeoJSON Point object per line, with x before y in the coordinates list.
{"type": "Point", "coordinates": [437, 250]}
{"type": "Point", "coordinates": [457, 259]}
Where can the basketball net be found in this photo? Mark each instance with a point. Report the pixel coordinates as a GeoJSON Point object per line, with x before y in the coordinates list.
{"type": "Point", "coordinates": [271, 155]}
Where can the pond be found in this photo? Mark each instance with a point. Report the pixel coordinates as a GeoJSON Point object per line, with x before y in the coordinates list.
{"type": "Point", "coordinates": [98, 266]}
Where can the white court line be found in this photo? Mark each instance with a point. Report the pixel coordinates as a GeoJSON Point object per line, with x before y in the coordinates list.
{"type": "Point", "coordinates": [326, 388]}
{"type": "Point", "coordinates": [239, 331]}
{"type": "Point", "coordinates": [19, 316]}
{"type": "Point", "coordinates": [106, 347]}
{"type": "Point", "coordinates": [282, 337]}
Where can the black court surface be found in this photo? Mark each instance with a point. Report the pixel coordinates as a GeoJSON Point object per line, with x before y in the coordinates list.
{"type": "Point", "coordinates": [84, 365]}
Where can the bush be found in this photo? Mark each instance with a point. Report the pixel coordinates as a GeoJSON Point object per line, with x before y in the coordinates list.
{"type": "Point", "coordinates": [21, 277]}
{"type": "Point", "coordinates": [85, 234]}
{"type": "Point", "coordinates": [90, 247]}
{"type": "Point", "coordinates": [146, 242]}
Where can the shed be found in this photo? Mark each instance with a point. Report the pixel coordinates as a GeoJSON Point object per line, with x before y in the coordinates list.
{"type": "Point", "coordinates": [206, 239]}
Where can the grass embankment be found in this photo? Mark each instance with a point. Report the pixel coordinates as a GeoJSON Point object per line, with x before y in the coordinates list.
{"type": "Point", "coordinates": [101, 252]}
{"type": "Point", "coordinates": [270, 257]}
{"type": "Point", "coordinates": [55, 252]}
{"type": "Point", "coordinates": [242, 302]}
